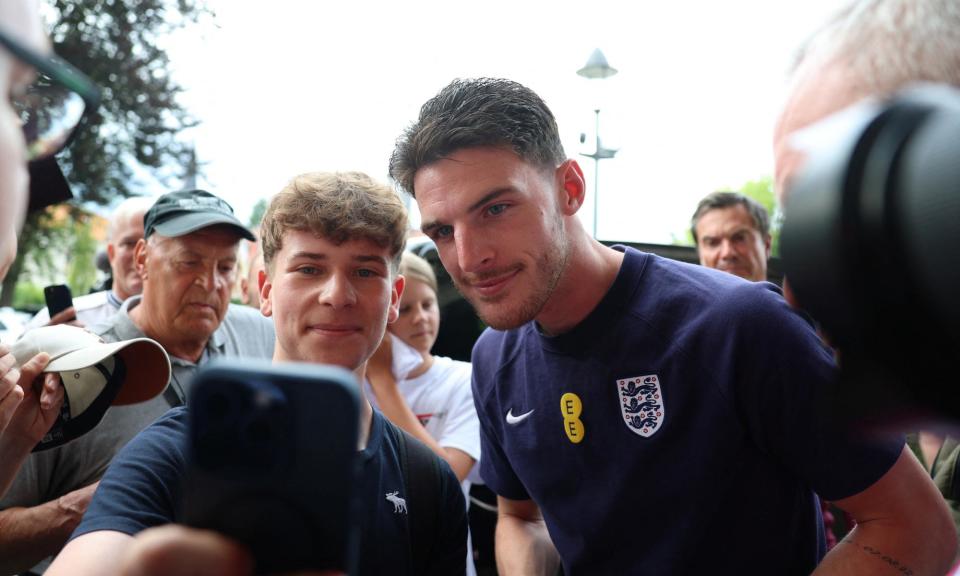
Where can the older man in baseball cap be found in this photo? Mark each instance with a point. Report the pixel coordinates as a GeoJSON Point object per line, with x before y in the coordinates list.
{"type": "Point", "coordinates": [188, 262]}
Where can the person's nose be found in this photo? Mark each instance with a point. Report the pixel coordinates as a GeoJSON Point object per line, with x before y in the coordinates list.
{"type": "Point", "coordinates": [338, 291]}
{"type": "Point", "coordinates": [726, 250]}
{"type": "Point", "coordinates": [474, 251]}
{"type": "Point", "coordinates": [207, 278]}
{"type": "Point", "coordinates": [419, 315]}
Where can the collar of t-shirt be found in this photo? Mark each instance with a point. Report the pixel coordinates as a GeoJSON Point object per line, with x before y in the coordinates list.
{"type": "Point", "coordinates": [113, 299]}
{"type": "Point", "coordinates": [375, 437]}
{"type": "Point", "coordinates": [588, 333]}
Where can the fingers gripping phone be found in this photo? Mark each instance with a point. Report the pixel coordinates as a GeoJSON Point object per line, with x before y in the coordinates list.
{"type": "Point", "coordinates": [273, 460]}
{"type": "Point", "coordinates": [58, 298]}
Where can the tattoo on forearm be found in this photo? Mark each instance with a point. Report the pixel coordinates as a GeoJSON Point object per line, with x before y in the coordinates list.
{"type": "Point", "coordinates": [892, 562]}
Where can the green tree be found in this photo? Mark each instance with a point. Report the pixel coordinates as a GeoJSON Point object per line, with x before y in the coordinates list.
{"type": "Point", "coordinates": [115, 42]}
{"type": "Point", "coordinates": [761, 190]}
{"type": "Point", "coordinates": [257, 214]}
{"type": "Point", "coordinates": [56, 237]}
{"type": "Point", "coordinates": [82, 272]}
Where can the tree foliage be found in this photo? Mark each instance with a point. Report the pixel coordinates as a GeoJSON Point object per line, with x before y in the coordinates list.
{"type": "Point", "coordinates": [761, 190]}
{"type": "Point", "coordinates": [61, 246]}
{"type": "Point", "coordinates": [259, 209]}
{"type": "Point", "coordinates": [115, 42]}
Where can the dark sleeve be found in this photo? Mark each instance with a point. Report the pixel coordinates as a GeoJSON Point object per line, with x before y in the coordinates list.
{"type": "Point", "coordinates": [450, 553]}
{"type": "Point", "coordinates": [785, 388]}
{"type": "Point", "coordinates": [141, 488]}
{"type": "Point", "coordinates": [495, 468]}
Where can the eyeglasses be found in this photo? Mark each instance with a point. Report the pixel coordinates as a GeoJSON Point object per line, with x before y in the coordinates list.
{"type": "Point", "coordinates": [53, 106]}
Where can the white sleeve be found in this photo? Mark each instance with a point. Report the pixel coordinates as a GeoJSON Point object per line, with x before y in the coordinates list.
{"type": "Point", "coordinates": [462, 429]}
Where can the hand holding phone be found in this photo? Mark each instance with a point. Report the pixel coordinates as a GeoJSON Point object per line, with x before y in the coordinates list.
{"type": "Point", "coordinates": [58, 299]}
{"type": "Point", "coordinates": [273, 460]}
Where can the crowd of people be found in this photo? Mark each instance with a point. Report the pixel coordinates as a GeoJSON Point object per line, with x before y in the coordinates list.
{"type": "Point", "coordinates": [633, 414]}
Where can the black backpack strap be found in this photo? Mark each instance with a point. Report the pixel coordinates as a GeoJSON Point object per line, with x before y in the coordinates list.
{"type": "Point", "coordinates": [421, 476]}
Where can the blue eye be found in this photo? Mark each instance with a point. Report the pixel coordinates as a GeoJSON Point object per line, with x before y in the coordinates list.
{"type": "Point", "coordinates": [496, 209]}
{"type": "Point", "coordinates": [443, 231]}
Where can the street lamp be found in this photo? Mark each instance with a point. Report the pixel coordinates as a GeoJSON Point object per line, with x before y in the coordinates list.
{"type": "Point", "coordinates": [597, 69]}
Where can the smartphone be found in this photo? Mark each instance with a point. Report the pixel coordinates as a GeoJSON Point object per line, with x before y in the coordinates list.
{"type": "Point", "coordinates": [58, 298]}
{"type": "Point", "coordinates": [272, 462]}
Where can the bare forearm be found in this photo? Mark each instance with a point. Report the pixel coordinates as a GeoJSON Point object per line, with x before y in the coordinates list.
{"type": "Point", "coordinates": [396, 409]}
{"type": "Point", "coordinates": [875, 548]}
{"type": "Point", "coordinates": [524, 548]}
{"type": "Point", "coordinates": [28, 535]}
{"type": "Point", "coordinates": [903, 526]}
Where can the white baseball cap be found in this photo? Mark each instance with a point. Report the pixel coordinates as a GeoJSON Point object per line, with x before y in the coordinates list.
{"type": "Point", "coordinates": [95, 374]}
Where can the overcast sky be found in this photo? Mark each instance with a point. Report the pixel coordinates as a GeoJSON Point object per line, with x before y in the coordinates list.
{"type": "Point", "coordinates": [292, 86]}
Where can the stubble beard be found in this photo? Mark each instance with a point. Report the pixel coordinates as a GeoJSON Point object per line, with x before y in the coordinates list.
{"type": "Point", "coordinates": [549, 269]}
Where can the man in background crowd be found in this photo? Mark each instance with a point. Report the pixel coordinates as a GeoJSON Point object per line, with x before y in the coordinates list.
{"type": "Point", "coordinates": [124, 231]}
{"type": "Point", "coordinates": [732, 233]}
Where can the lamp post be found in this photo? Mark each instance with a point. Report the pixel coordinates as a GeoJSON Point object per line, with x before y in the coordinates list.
{"type": "Point", "coordinates": [597, 68]}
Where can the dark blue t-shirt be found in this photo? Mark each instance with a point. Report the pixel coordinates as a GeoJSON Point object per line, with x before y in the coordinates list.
{"type": "Point", "coordinates": [680, 428]}
{"type": "Point", "coordinates": [142, 488]}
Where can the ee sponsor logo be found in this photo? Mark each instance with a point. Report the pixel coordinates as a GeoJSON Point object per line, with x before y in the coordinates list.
{"type": "Point", "coordinates": [570, 408]}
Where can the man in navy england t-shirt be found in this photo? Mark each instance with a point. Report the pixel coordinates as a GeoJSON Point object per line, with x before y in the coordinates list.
{"type": "Point", "coordinates": [331, 246]}
{"type": "Point", "coordinates": [653, 412]}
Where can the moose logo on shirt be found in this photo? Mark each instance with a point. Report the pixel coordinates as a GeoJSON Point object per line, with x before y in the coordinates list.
{"type": "Point", "coordinates": [641, 403]}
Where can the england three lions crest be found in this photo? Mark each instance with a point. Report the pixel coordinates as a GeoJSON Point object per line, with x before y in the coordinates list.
{"type": "Point", "coordinates": [641, 402]}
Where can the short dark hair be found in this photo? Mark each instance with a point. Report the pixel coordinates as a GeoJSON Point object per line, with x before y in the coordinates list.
{"type": "Point", "coordinates": [717, 200]}
{"type": "Point", "coordinates": [481, 112]}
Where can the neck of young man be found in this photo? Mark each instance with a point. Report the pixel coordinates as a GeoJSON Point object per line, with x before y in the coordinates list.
{"type": "Point", "coordinates": [366, 412]}
{"type": "Point", "coordinates": [574, 298]}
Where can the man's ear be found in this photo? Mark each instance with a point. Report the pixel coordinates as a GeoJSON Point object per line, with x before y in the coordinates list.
{"type": "Point", "coordinates": [139, 257]}
{"type": "Point", "coordinates": [767, 244]}
{"type": "Point", "coordinates": [395, 293]}
{"type": "Point", "coordinates": [571, 183]}
{"type": "Point", "coordinates": [266, 292]}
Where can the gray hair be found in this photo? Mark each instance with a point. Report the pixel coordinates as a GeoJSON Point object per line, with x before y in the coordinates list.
{"type": "Point", "coordinates": [126, 209]}
{"type": "Point", "coordinates": [887, 44]}
{"type": "Point", "coordinates": [718, 200]}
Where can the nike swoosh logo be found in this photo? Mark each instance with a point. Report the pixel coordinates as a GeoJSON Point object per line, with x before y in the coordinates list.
{"type": "Point", "coordinates": [511, 419]}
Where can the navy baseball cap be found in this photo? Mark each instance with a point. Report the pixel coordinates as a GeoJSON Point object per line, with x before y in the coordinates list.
{"type": "Point", "coordinates": [178, 213]}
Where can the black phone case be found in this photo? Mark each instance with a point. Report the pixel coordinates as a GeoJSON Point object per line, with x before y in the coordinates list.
{"type": "Point", "coordinates": [58, 298]}
{"type": "Point", "coordinates": [273, 460]}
